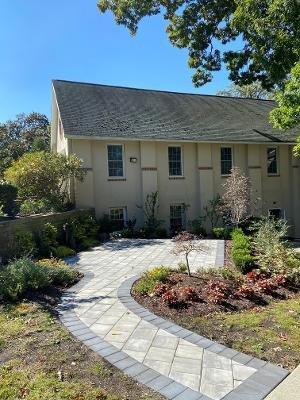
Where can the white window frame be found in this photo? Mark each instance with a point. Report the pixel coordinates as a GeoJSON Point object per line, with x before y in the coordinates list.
{"type": "Point", "coordinates": [123, 161]}
{"type": "Point", "coordinates": [181, 156]}
{"type": "Point", "coordinates": [124, 208]}
{"type": "Point", "coordinates": [232, 158]}
{"type": "Point", "coordinates": [277, 173]}
{"type": "Point", "coordinates": [282, 210]}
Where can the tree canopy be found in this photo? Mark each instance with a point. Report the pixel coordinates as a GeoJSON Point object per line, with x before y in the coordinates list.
{"type": "Point", "coordinates": [270, 30]}
{"type": "Point", "coordinates": [45, 176]}
{"type": "Point", "coordinates": [252, 91]}
{"type": "Point", "coordinates": [25, 133]}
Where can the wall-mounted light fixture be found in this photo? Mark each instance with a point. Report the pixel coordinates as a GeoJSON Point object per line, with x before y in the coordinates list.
{"type": "Point", "coordinates": [133, 160]}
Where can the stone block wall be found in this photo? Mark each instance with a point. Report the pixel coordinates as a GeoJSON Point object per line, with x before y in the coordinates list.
{"type": "Point", "coordinates": [34, 224]}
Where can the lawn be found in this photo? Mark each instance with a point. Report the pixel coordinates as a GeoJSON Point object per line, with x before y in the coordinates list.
{"type": "Point", "coordinates": [39, 359]}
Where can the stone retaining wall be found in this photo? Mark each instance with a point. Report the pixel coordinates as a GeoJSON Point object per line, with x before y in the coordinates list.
{"type": "Point", "coordinates": [34, 223]}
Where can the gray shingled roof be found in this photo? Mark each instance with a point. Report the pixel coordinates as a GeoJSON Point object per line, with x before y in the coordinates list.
{"type": "Point", "coordinates": [108, 111]}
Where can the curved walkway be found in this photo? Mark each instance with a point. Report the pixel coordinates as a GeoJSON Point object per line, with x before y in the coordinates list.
{"type": "Point", "coordinates": [174, 361]}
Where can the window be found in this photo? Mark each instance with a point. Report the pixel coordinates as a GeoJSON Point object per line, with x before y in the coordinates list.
{"type": "Point", "coordinates": [118, 217]}
{"type": "Point", "coordinates": [276, 213]}
{"type": "Point", "coordinates": [272, 161]}
{"type": "Point", "coordinates": [175, 161]}
{"type": "Point", "coordinates": [177, 217]}
{"type": "Point", "coordinates": [115, 160]}
{"type": "Point", "coordinates": [226, 160]}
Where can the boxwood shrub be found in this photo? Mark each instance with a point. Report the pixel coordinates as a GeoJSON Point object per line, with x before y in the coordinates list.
{"type": "Point", "coordinates": [241, 251]}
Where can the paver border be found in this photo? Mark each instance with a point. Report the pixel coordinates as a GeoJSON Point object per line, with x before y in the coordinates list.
{"type": "Point", "coordinates": [256, 387]}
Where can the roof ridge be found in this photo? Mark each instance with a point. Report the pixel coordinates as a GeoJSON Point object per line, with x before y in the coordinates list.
{"type": "Point", "coordinates": [159, 90]}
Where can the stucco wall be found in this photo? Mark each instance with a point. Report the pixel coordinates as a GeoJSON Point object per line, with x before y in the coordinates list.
{"type": "Point", "coordinates": [201, 182]}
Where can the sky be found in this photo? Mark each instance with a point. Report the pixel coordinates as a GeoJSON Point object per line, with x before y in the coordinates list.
{"type": "Point", "coordinates": [72, 40]}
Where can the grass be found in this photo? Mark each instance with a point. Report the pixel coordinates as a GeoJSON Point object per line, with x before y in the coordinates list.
{"type": "Point", "coordinates": [39, 359]}
{"type": "Point", "coordinates": [271, 333]}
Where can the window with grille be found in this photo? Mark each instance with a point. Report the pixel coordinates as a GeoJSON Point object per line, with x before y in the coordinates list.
{"type": "Point", "coordinates": [272, 161]}
{"type": "Point", "coordinates": [175, 161]}
{"type": "Point", "coordinates": [118, 217]}
{"type": "Point", "coordinates": [226, 160]}
{"type": "Point", "coordinates": [177, 217]}
{"type": "Point", "coordinates": [115, 160]}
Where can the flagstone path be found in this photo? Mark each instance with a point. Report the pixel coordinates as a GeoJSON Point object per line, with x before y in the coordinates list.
{"type": "Point", "coordinates": [177, 363]}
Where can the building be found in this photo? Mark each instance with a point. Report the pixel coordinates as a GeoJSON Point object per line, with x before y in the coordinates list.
{"type": "Point", "coordinates": [135, 141]}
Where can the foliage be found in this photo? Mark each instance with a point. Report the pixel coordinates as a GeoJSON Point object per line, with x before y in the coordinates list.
{"type": "Point", "coordinates": [152, 224]}
{"type": "Point", "coordinates": [47, 239]}
{"type": "Point", "coordinates": [287, 114]}
{"type": "Point", "coordinates": [212, 211]}
{"type": "Point", "coordinates": [197, 227]}
{"type": "Point", "coordinates": [8, 197]}
{"type": "Point", "coordinates": [81, 232]}
{"type": "Point", "coordinates": [241, 250]}
{"type": "Point", "coordinates": [269, 29]}
{"type": "Point", "coordinates": [185, 243]}
{"type": "Point", "coordinates": [253, 90]}
{"type": "Point", "coordinates": [63, 251]}
{"type": "Point", "coordinates": [182, 267]}
{"type": "Point", "coordinates": [160, 289]}
{"type": "Point", "coordinates": [188, 293]}
{"type": "Point", "coordinates": [25, 244]}
{"type": "Point", "coordinates": [236, 197]}
{"type": "Point", "coordinates": [32, 206]}
{"type": "Point", "coordinates": [21, 275]}
{"type": "Point", "coordinates": [45, 176]}
{"type": "Point", "coordinates": [222, 233]}
{"type": "Point", "coordinates": [23, 134]}
{"type": "Point", "coordinates": [59, 273]}
{"type": "Point", "coordinates": [216, 291]}
{"type": "Point", "coordinates": [151, 278]}
{"type": "Point", "coordinates": [171, 298]}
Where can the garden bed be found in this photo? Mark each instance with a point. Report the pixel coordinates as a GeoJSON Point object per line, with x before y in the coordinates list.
{"type": "Point", "coordinates": [39, 359]}
{"type": "Point", "coordinates": [252, 313]}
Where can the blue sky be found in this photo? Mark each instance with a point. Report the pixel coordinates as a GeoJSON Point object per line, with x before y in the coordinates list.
{"type": "Point", "coordinates": [71, 40]}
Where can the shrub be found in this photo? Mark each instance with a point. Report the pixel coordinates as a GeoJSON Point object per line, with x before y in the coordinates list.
{"type": "Point", "coordinates": [47, 239]}
{"type": "Point", "coordinates": [63, 252]}
{"type": "Point", "coordinates": [216, 291]}
{"type": "Point", "coordinates": [182, 267]}
{"type": "Point", "coordinates": [222, 233]}
{"type": "Point", "coordinates": [241, 251]}
{"type": "Point", "coordinates": [32, 206]}
{"type": "Point", "coordinates": [21, 275]}
{"type": "Point", "coordinates": [150, 278]}
{"type": "Point", "coordinates": [188, 293]}
{"type": "Point", "coordinates": [79, 230]}
{"type": "Point", "coordinates": [172, 299]}
{"type": "Point", "coordinates": [8, 197]}
{"type": "Point", "coordinates": [197, 228]}
{"type": "Point", "coordinates": [160, 289]}
{"type": "Point", "coordinates": [59, 273]}
{"type": "Point", "coordinates": [229, 274]}
{"type": "Point", "coordinates": [25, 244]}
{"type": "Point", "coordinates": [246, 290]}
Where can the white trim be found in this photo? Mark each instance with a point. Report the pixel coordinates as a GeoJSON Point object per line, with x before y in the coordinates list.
{"type": "Point", "coordinates": [123, 160]}
{"type": "Point", "coordinates": [124, 208]}
{"type": "Point", "coordinates": [277, 173]}
{"type": "Point", "coordinates": [232, 158]}
{"type": "Point", "coordinates": [151, 139]}
{"type": "Point", "coordinates": [181, 158]}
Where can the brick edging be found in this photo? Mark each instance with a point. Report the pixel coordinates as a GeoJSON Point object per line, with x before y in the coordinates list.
{"type": "Point", "coordinates": [258, 385]}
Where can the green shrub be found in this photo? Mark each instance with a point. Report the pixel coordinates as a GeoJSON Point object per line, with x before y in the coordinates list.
{"type": "Point", "coordinates": [63, 252]}
{"type": "Point", "coordinates": [182, 267]}
{"type": "Point", "coordinates": [79, 229]}
{"type": "Point", "coordinates": [25, 244]}
{"type": "Point", "coordinates": [8, 197]}
{"type": "Point", "coordinates": [222, 233]}
{"type": "Point", "coordinates": [241, 251]}
{"type": "Point", "coordinates": [229, 274]}
{"type": "Point", "coordinates": [31, 207]}
{"type": "Point", "coordinates": [47, 239]}
{"type": "Point", "coordinates": [21, 275]}
{"type": "Point", "coordinates": [197, 228]}
{"type": "Point", "coordinates": [150, 278]}
{"type": "Point", "coordinates": [59, 273]}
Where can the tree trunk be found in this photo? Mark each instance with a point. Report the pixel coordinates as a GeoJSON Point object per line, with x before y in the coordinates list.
{"type": "Point", "coordinates": [187, 265]}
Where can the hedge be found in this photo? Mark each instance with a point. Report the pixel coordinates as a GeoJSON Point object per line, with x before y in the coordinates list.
{"type": "Point", "coordinates": [241, 251]}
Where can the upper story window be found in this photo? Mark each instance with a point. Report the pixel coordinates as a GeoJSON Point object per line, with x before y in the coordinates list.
{"type": "Point", "coordinates": [115, 160]}
{"type": "Point", "coordinates": [226, 160]}
{"type": "Point", "coordinates": [175, 160]}
{"type": "Point", "coordinates": [272, 160]}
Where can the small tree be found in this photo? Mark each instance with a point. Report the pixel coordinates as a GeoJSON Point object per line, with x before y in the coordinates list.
{"type": "Point", "coordinates": [45, 176]}
{"type": "Point", "coordinates": [150, 210]}
{"type": "Point", "coordinates": [212, 211]}
{"type": "Point", "coordinates": [236, 197]}
{"type": "Point", "coordinates": [185, 243]}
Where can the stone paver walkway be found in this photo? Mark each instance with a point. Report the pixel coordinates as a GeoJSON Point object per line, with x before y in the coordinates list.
{"type": "Point", "coordinates": [156, 352]}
